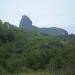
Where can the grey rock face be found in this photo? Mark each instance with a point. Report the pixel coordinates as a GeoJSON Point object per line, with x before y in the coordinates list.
{"type": "Point", "coordinates": [25, 22]}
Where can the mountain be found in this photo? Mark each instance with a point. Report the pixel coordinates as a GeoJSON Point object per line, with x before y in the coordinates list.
{"type": "Point", "coordinates": [26, 23]}
{"type": "Point", "coordinates": [51, 31]}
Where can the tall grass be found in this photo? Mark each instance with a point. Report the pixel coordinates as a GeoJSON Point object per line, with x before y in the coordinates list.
{"type": "Point", "coordinates": [41, 73]}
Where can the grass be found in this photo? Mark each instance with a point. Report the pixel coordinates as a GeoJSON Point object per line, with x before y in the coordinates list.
{"type": "Point", "coordinates": [41, 73]}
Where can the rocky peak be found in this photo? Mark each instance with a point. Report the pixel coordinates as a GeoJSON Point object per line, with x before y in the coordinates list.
{"type": "Point", "coordinates": [25, 22]}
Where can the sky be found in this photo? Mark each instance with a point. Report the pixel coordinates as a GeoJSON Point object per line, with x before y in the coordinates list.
{"type": "Point", "coordinates": [43, 13]}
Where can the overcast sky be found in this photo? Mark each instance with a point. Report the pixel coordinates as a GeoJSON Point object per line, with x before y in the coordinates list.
{"type": "Point", "coordinates": [43, 13]}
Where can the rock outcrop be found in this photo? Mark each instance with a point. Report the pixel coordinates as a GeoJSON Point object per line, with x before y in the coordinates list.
{"type": "Point", "coordinates": [25, 22]}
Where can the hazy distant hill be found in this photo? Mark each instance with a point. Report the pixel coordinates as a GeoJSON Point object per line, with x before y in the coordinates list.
{"type": "Point", "coordinates": [26, 23]}
{"type": "Point", "coordinates": [52, 31]}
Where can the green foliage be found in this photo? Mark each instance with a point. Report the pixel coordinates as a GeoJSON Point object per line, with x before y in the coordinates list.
{"type": "Point", "coordinates": [23, 50]}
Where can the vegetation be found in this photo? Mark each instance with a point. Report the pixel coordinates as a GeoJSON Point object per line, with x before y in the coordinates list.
{"type": "Point", "coordinates": [22, 51]}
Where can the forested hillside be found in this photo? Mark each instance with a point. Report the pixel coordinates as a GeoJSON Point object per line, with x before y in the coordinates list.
{"type": "Point", "coordinates": [23, 51]}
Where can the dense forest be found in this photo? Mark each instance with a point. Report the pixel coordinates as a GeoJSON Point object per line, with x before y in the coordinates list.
{"type": "Point", "coordinates": [25, 51]}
